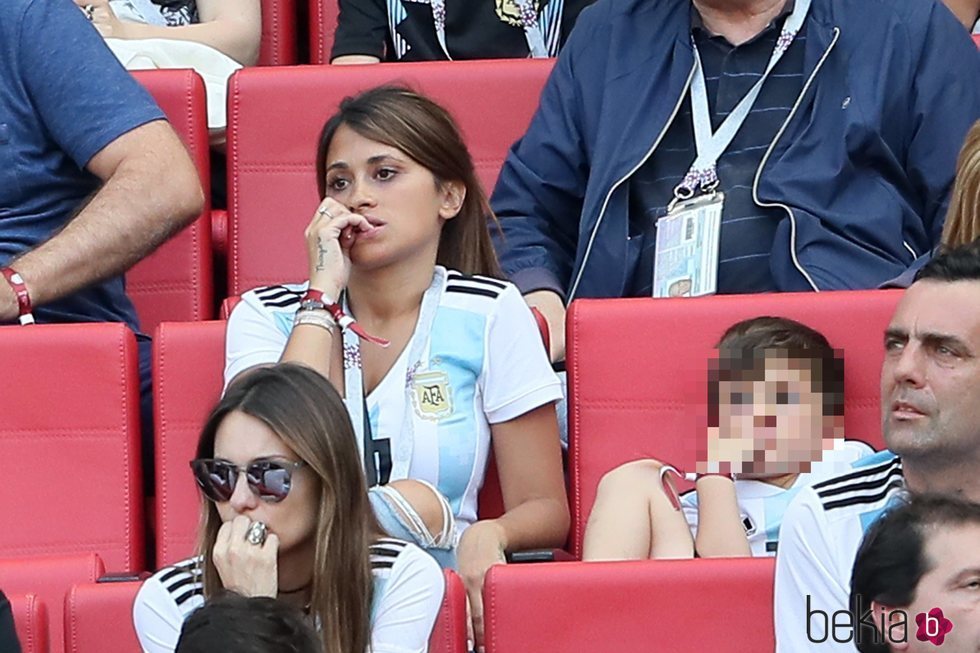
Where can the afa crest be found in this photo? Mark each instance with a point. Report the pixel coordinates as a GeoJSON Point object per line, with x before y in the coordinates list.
{"type": "Point", "coordinates": [432, 395]}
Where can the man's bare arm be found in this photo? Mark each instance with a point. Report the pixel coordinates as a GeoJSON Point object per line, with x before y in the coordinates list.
{"type": "Point", "coordinates": [151, 189]}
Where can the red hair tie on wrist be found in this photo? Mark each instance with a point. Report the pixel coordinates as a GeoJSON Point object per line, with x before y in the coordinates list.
{"type": "Point", "coordinates": [344, 321]}
{"type": "Point", "coordinates": [25, 314]}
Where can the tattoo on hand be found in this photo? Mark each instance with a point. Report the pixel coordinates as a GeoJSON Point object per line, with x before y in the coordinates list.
{"type": "Point", "coordinates": [321, 264]}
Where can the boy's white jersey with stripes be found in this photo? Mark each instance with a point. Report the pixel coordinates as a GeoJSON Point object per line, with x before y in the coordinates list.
{"type": "Point", "coordinates": [408, 591]}
{"type": "Point", "coordinates": [821, 532]}
{"type": "Point", "coordinates": [483, 363]}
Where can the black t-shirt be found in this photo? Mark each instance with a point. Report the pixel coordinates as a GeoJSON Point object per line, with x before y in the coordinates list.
{"type": "Point", "coordinates": [8, 636]}
{"type": "Point", "coordinates": [404, 30]}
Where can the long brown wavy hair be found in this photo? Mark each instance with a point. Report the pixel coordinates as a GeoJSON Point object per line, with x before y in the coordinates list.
{"type": "Point", "coordinates": [304, 409]}
{"type": "Point", "coordinates": [426, 133]}
{"type": "Point", "coordinates": [962, 224]}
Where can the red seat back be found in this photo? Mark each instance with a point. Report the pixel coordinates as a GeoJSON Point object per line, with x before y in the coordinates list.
{"type": "Point", "coordinates": [176, 281]}
{"type": "Point", "coordinates": [449, 630]}
{"type": "Point", "coordinates": [323, 24]}
{"type": "Point", "coordinates": [50, 578]}
{"type": "Point", "coordinates": [278, 45]}
{"type": "Point", "coordinates": [30, 622]}
{"type": "Point", "coordinates": [188, 363]}
{"type": "Point", "coordinates": [99, 618]}
{"type": "Point", "coordinates": [272, 183]}
{"type": "Point", "coordinates": [667, 606]}
{"type": "Point", "coordinates": [656, 406]}
{"type": "Point", "coordinates": [69, 396]}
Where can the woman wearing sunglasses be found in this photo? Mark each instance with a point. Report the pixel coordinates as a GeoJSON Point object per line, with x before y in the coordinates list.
{"type": "Point", "coordinates": [286, 515]}
{"type": "Point", "coordinates": [444, 360]}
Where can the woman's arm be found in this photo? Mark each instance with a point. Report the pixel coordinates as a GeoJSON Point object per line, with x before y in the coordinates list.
{"type": "Point", "coordinates": [528, 458]}
{"type": "Point", "coordinates": [233, 27]}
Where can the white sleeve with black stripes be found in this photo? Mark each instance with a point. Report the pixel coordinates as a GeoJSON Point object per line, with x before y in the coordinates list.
{"type": "Point", "coordinates": [255, 334]}
{"type": "Point", "coordinates": [162, 604]}
{"type": "Point", "coordinates": [411, 587]}
{"type": "Point", "coordinates": [517, 376]}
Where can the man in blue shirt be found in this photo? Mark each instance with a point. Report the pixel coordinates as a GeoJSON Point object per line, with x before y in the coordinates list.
{"type": "Point", "coordinates": [847, 117]}
{"type": "Point", "coordinates": [92, 178]}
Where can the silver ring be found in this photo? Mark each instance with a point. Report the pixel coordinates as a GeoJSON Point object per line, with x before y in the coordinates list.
{"type": "Point", "coordinates": [325, 211]}
{"type": "Point", "coordinates": [89, 12]}
{"type": "Point", "coordinates": [256, 533]}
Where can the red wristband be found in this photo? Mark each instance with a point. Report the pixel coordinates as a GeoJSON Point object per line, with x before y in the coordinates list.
{"type": "Point", "coordinates": [343, 320]}
{"type": "Point", "coordinates": [24, 309]}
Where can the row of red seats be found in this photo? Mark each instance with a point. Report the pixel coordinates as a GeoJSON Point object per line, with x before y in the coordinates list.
{"type": "Point", "coordinates": [272, 135]}
{"type": "Point", "coordinates": [628, 607]}
{"type": "Point", "coordinates": [70, 411]}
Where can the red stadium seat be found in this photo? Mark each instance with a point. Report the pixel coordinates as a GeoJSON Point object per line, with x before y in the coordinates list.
{"type": "Point", "coordinates": [667, 606]}
{"type": "Point", "coordinates": [976, 39]}
{"type": "Point", "coordinates": [323, 24]}
{"type": "Point", "coordinates": [30, 622]}
{"type": "Point", "coordinates": [99, 618]}
{"type": "Point", "coordinates": [50, 578]}
{"type": "Point", "coordinates": [188, 363]}
{"type": "Point", "coordinates": [176, 282]}
{"type": "Point", "coordinates": [278, 45]}
{"type": "Point", "coordinates": [69, 397]}
{"type": "Point", "coordinates": [449, 631]}
{"type": "Point", "coordinates": [272, 185]}
{"type": "Point", "coordinates": [656, 406]}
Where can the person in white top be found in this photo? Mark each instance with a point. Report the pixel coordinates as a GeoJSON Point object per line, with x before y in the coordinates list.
{"type": "Point", "coordinates": [930, 403]}
{"type": "Point", "coordinates": [287, 516]}
{"type": "Point", "coordinates": [444, 361]}
{"type": "Point", "coordinates": [776, 405]}
{"type": "Point", "coordinates": [916, 579]}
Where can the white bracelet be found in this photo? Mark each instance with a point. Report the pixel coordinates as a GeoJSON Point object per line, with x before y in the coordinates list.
{"type": "Point", "coordinates": [316, 317]}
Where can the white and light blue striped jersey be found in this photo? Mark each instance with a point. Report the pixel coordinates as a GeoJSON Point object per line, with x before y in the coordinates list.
{"type": "Point", "coordinates": [762, 504]}
{"type": "Point", "coordinates": [821, 533]}
{"type": "Point", "coordinates": [483, 363]}
{"type": "Point", "coordinates": [408, 591]}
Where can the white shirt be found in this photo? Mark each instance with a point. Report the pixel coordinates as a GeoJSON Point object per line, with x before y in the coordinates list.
{"type": "Point", "coordinates": [483, 363]}
{"type": "Point", "coordinates": [821, 533]}
{"type": "Point", "coordinates": [762, 504]}
{"type": "Point", "coordinates": [408, 591]}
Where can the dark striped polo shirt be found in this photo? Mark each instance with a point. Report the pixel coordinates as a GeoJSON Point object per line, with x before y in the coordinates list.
{"type": "Point", "coordinates": [747, 230]}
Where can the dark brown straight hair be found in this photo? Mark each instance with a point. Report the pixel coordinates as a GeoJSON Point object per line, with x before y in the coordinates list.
{"type": "Point", "coordinates": [426, 133]}
{"type": "Point", "coordinates": [304, 409]}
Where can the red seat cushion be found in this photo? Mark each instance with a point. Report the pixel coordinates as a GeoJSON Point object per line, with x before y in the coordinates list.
{"type": "Point", "coordinates": [449, 630]}
{"type": "Point", "coordinates": [272, 183]}
{"type": "Point", "coordinates": [278, 45]}
{"type": "Point", "coordinates": [323, 24]}
{"type": "Point", "coordinates": [69, 396]}
{"type": "Point", "coordinates": [638, 373]}
{"type": "Point", "coordinates": [50, 578]}
{"type": "Point", "coordinates": [30, 622]}
{"type": "Point", "coordinates": [99, 618]}
{"type": "Point", "coordinates": [176, 281]}
{"type": "Point", "coordinates": [668, 606]}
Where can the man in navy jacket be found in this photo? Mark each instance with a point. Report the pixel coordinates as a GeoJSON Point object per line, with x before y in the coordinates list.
{"type": "Point", "coordinates": [838, 179]}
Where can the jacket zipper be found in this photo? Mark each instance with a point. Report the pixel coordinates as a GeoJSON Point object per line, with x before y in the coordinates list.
{"type": "Point", "coordinates": [602, 212]}
{"type": "Point", "coordinates": [765, 158]}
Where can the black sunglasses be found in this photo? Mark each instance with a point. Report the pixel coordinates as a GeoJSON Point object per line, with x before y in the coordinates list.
{"type": "Point", "coordinates": [270, 479]}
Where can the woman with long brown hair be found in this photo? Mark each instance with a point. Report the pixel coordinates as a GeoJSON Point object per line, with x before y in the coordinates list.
{"type": "Point", "coordinates": [286, 515]}
{"type": "Point", "coordinates": [444, 360]}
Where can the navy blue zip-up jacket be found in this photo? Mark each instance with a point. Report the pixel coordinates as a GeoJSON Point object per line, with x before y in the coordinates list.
{"type": "Point", "coordinates": [861, 168]}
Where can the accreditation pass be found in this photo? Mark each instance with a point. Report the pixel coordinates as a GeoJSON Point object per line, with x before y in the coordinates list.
{"type": "Point", "coordinates": [686, 259]}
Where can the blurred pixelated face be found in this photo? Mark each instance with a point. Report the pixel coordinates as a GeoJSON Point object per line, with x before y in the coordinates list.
{"type": "Point", "coordinates": [930, 379]}
{"type": "Point", "coordinates": [770, 418]}
{"type": "Point", "coordinates": [952, 584]}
